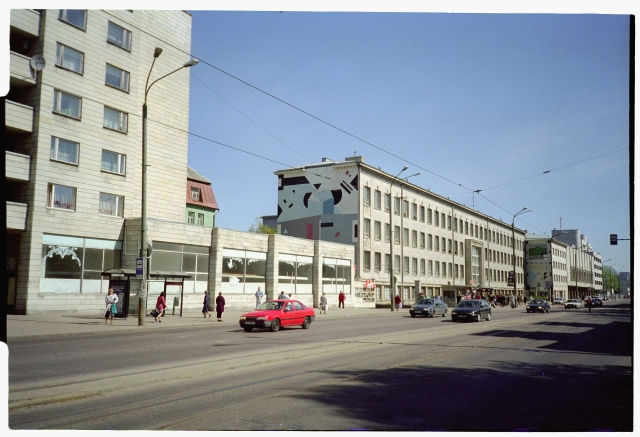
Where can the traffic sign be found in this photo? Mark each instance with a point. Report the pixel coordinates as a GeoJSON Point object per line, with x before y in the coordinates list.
{"type": "Point", "coordinates": [613, 239]}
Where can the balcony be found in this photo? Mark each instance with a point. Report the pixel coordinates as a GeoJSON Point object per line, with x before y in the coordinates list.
{"type": "Point", "coordinates": [16, 216]}
{"type": "Point", "coordinates": [21, 73]}
{"type": "Point", "coordinates": [18, 117]}
{"type": "Point", "coordinates": [25, 22]}
{"type": "Point", "coordinates": [17, 166]}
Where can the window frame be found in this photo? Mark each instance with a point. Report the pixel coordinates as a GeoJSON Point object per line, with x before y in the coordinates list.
{"type": "Point", "coordinates": [122, 71]}
{"type": "Point", "coordinates": [62, 17]}
{"type": "Point", "coordinates": [377, 230]}
{"type": "Point", "coordinates": [119, 213]}
{"type": "Point", "coordinates": [124, 36]}
{"type": "Point", "coordinates": [57, 100]}
{"type": "Point", "coordinates": [377, 199]}
{"type": "Point", "coordinates": [366, 228]}
{"type": "Point", "coordinates": [121, 113]}
{"type": "Point", "coordinates": [121, 160]}
{"type": "Point", "coordinates": [195, 194]}
{"type": "Point", "coordinates": [191, 217]}
{"type": "Point", "coordinates": [55, 148]}
{"type": "Point", "coordinates": [60, 57]}
{"type": "Point", "coordinates": [200, 219]}
{"type": "Point", "coordinates": [366, 195]}
{"type": "Point", "coordinates": [51, 193]}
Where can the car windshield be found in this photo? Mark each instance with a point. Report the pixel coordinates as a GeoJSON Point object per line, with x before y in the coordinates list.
{"type": "Point", "coordinates": [537, 301]}
{"type": "Point", "coordinates": [469, 304]}
{"type": "Point", "coordinates": [425, 302]}
{"type": "Point", "coordinates": [273, 305]}
{"type": "Point", "coordinates": [572, 300]}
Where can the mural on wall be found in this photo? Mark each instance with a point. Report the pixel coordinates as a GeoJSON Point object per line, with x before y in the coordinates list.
{"type": "Point", "coordinates": [308, 205]}
{"type": "Point", "coordinates": [538, 266]}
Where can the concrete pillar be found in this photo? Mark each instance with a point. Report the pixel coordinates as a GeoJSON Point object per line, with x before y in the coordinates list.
{"type": "Point", "coordinates": [316, 288]}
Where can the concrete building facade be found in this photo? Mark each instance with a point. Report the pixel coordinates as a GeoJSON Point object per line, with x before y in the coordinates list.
{"type": "Point", "coordinates": [440, 247]}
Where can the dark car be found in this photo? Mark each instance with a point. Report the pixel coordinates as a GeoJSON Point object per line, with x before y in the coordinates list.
{"type": "Point", "coordinates": [428, 307]}
{"type": "Point", "coordinates": [471, 309]}
{"type": "Point", "coordinates": [596, 302]}
{"type": "Point", "coordinates": [538, 305]}
{"type": "Point", "coordinates": [274, 314]}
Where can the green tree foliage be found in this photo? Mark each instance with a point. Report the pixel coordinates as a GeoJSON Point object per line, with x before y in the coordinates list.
{"type": "Point", "coordinates": [259, 228]}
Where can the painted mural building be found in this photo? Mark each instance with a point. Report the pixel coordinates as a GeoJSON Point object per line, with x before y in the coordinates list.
{"type": "Point", "coordinates": [439, 247]}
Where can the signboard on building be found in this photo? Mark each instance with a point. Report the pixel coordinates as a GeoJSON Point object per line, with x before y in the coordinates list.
{"type": "Point", "coordinates": [511, 279]}
{"type": "Point", "coordinates": [538, 265]}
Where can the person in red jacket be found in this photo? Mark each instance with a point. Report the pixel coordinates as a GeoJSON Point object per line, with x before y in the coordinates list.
{"type": "Point", "coordinates": [161, 305]}
{"type": "Point", "coordinates": [398, 301]}
{"type": "Point", "coordinates": [341, 298]}
{"type": "Point", "coordinates": [219, 306]}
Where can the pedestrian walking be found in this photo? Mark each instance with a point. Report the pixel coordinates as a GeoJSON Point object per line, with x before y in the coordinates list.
{"type": "Point", "coordinates": [589, 303]}
{"type": "Point", "coordinates": [282, 296]}
{"type": "Point", "coordinates": [398, 301]}
{"type": "Point", "coordinates": [205, 307]}
{"type": "Point", "coordinates": [110, 299]}
{"type": "Point", "coordinates": [341, 299]}
{"type": "Point", "coordinates": [161, 305]}
{"type": "Point", "coordinates": [259, 296]}
{"type": "Point", "coordinates": [219, 306]}
{"type": "Point", "coordinates": [323, 303]}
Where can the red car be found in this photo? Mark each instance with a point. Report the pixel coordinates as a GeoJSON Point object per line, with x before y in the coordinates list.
{"type": "Point", "coordinates": [273, 314]}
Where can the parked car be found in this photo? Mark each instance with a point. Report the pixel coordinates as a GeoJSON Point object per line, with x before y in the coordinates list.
{"type": "Point", "coordinates": [573, 303]}
{"type": "Point", "coordinates": [274, 314]}
{"type": "Point", "coordinates": [596, 302]}
{"type": "Point", "coordinates": [471, 309]}
{"type": "Point", "coordinates": [558, 301]}
{"type": "Point", "coordinates": [538, 305]}
{"type": "Point", "coordinates": [428, 307]}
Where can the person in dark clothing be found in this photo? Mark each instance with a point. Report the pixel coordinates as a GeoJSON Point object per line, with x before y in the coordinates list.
{"type": "Point", "coordinates": [205, 307]}
{"type": "Point", "coordinates": [219, 306]}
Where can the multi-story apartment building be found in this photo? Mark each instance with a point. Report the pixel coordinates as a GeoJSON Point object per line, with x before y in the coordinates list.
{"type": "Point", "coordinates": [73, 116]}
{"type": "Point", "coordinates": [547, 267]}
{"type": "Point", "coordinates": [439, 247]}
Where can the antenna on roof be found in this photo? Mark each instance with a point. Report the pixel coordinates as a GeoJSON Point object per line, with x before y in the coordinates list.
{"type": "Point", "coordinates": [354, 153]}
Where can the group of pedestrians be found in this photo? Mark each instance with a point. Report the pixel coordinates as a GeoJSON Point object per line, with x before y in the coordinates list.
{"type": "Point", "coordinates": [207, 302]}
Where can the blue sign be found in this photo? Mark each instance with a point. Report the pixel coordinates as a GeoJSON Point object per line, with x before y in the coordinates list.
{"type": "Point", "coordinates": [139, 268]}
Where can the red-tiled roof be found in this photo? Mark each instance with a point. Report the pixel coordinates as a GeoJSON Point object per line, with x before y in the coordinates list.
{"type": "Point", "coordinates": [207, 199]}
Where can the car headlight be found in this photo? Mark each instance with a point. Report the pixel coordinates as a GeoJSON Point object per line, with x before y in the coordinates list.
{"type": "Point", "coordinates": [472, 313]}
{"type": "Point", "coordinates": [528, 307]}
{"type": "Point", "coordinates": [412, 309]}
{"type": "Point", "coordinates": [261, 318]}
{"type": "Point", "coordinates": [243, 318]}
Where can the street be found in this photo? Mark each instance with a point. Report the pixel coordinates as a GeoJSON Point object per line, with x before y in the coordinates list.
{"type": "Point", "coordinates": [568, 370]}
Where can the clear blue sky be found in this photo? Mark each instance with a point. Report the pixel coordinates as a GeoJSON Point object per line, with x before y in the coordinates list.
{"type": "Point", "coordinates": [475, 101]}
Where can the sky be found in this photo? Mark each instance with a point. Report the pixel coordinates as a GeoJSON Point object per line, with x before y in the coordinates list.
{"type": "Point", "coordinates": [531, 109]}
{"type": "Point", "coordinates": [529, 105]}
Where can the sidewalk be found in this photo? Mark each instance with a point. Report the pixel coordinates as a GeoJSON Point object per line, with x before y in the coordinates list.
{"type": "Point", "coordinates": [65, 324]}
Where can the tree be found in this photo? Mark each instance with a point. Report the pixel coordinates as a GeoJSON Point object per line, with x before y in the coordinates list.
{"type": "Point", "coordinates": [260, 228]}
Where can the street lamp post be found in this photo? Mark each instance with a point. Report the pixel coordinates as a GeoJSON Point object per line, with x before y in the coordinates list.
{"type": "Point", "coordinates": [144, 250]}
{"type": "Point", "coordinates": [391, 272]}
{"type": "Point", "coordinates": [513, 245]}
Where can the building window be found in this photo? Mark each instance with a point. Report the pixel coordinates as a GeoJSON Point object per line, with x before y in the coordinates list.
{"type": "Point", "coordinates": [414, 211]}
{"type": "Point", "coordinates": [191, 217]}
{"type": "Point", "coordinates": [119, 36]}
{"type": "Point", "coordinates": [67, 104]}
{"type": "Point", "coordinates": [377, 230]}
{"type": "Point", "coordinates": [195, 194]}
{"type": "Point", "coordinates": [117, 78]}
{"type": "Point", "coordinates": [367, 228]}
{"type": "Point", "coordinates": [466, 228]}
{"type": "Point", "coordinates": [437, 246]}
{"type": "Point", "coordinates": [405, 208]}
{"type": "Point", "coordinates": [396, 205]}
{"type": "Point", "coordinates": [387, 232]}
{"type": "Point", "coordinates": [449, 222]}
{"type": "Point", "coordinates": [387, 261]}
{"type": "Point", "coordinates": [437, 219]}
{"type": "Point", "coordinates": [456, 271]}
{"type": "Point", "coordinates": [449, 245]}
{"type": "Point", "coordinates": [366, 196]}
{"type": "Point", "coordinates": [422, 240]}
{"type": "Point", "coordinates": [201, 219]}
{"type": "Point", "coordinates": [450, 270]}
{"type": "Point", "coordinates": [377, 199]}
{"type": "Point", "coordinates": [396, 263]}
{"type": "Point", "coordinates": [62, 197]}
{"type": "Point", "coordinates": [422, 266]}
{"type": "Point", "coordinates": [437, 268]}
{"type": "Point", "coordinates": [367, 260]}
{"type": "Point", "coordinates": [455, 224]}
{"type": "Point", "coordinates": [69, 59]}
{"type": "Point", "coordinates": [422, 214]}
{"type": "Point", "coordinates": [475, 264]}
{"type": "Point", "coordinates": [442, 219]}
{"type": "Point", "coordinates": [77, 18]}
{"type": "Point", "coordinates": [112, 205]}
{"type": "Point", "coordinates": [396, 234]}
{"type": "Point", "coordinates": [405, 236]}
{"type": "Point", "coordinates": [406, 264]}
{"type": "Point", "coordinates": [113, 162]}
{"type": "Point", "coordinates": [387, 202]}
{"type": "Point", "coordinates": [116, 120]}
{"type": "Point", "coordinates": [429, 215]}
{"type": "Point", "coordinates": [462, 271]}
{"type": "Point", "coordinates": [414, 238]}
{"type": "Point", "coordinates": [430, 268]}
{"type": "Point", "coordinates": [414, 266]}
{"type": "Point", "coordinates": [430, 242]}
{"type": "Point", "coordinates": [377, 261]}
{"type": "Point", "coordinates": [64, 150]}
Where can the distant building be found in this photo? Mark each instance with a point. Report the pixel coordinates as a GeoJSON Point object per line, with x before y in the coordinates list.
{"type": "Point", "coordinates": [201, 202]}
{"type": "Point", "coordinates": [584, 264]}
{"type": "Point", "coordinates": [625, 283]}
{"type": "Point", "coordinates": [547, 267]}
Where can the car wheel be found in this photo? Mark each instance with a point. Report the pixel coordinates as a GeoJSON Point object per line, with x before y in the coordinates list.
{"type": "Point", "coordinates": [444, 314]}
{"type": "Point", "coordinates": [528, 311]}
{"type": "Point", "coordinates": [247, 329]}
{"type": "Point", "coordinates": [478, 317]}
{"type": "Point", "coordinates": [412, 315]}
{"type": "Point", "coordinates": [306, 323]}
{"type": "Point", "coordinates": [488, 316]}
{"type": "Point", "coordinates": [275, 325]}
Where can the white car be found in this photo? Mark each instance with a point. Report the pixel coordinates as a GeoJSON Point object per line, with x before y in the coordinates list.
{"type": "Point", "coordinates": [573, 303]}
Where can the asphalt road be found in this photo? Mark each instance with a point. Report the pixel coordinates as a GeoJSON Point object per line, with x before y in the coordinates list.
{"type": "Point", "coordinates": [567, 370]}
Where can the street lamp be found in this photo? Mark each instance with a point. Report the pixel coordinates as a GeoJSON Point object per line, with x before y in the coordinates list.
{"type": "Point", "coordinates": [513, 245]}
{"type": "Point", "coordinates": [144, 250]}
{"type": "Point", "coordinates": [391, 272]}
